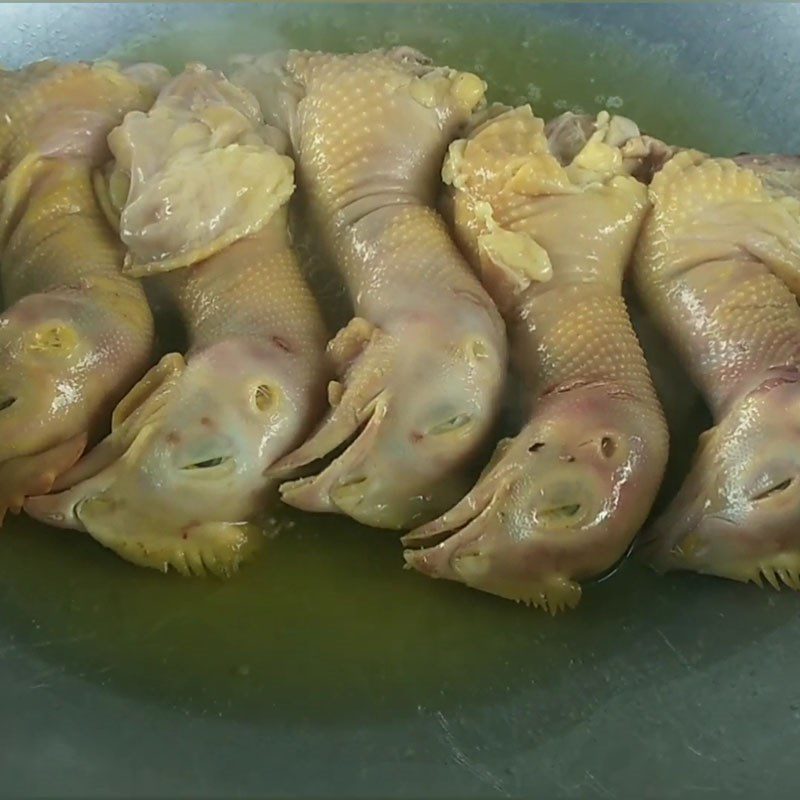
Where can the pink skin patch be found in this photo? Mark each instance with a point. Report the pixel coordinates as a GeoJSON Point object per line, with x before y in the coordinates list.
{"type": "Point", "coordinates": [183, 469]}
{"type": "Point", "coordinates": [560, 503]}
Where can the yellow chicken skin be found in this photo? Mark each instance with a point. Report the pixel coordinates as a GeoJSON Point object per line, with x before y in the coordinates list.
{"type": "Point", "coordinates": [421, 367]}
{"type": "Point", "coordinates": [780, 174]}
{"type": "Point", "coordinates": [562, 501]}
{"type": "Point", "coordinates": [712, 267]}
{"type": "Point", "coordinates": [182, 473]}
{"type": "Point", "coordinates": [76, 334]}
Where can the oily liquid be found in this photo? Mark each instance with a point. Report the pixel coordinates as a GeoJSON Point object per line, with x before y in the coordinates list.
{"type": "Point", "coordinates": [324, 623]}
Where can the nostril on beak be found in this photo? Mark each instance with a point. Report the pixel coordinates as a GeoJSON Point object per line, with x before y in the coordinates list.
{"type": "Point", "coordinates": [608, 446]}
{"type": "Point", "coordinates": [353, 480]}
{"type": "Point", "coordinates": [349, 493]}
{"type": "Point", "coordinates": [7, 402]}
{"type": "Point", "coordinates": [478, 350]}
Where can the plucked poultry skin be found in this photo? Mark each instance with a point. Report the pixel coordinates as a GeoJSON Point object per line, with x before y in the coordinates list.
{"type": "Point", "coordinates": [195, 202]}
{"type": "Point", "coordinates": [712, 267]}
{"type": "Point", "coordinates": [780, 174]}
{"type": "Point", "coordinates": [76, 334]}
{"type": "Point", "coordinates": [421, 367]}
{"type": "Point", "coordinates": [183, 468]}
{"type": "Point", "coordinates": [561, 501]}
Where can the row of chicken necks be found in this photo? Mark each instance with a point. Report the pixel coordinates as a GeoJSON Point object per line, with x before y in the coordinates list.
{"type": "Point", "coordinates": [469, 237]}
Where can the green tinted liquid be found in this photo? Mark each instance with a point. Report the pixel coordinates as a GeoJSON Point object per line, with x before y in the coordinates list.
{"type": "Point", "coordinates": [325, 623]}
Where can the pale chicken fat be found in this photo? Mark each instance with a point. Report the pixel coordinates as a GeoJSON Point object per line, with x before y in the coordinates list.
{"type": "Point", "coordinates": [192, 177]}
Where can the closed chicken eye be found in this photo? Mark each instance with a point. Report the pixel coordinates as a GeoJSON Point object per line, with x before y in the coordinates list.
{"type": "Point", "coordinates": [7, 402]}
{"type": "Point", "coordinates": [554, 513]}
{"type": "Point", "coordinates": [209, 463]}
{"type": "Point", "coordinates": [773, 490]}
{"type": "Point", "coordinates": [450, 425]}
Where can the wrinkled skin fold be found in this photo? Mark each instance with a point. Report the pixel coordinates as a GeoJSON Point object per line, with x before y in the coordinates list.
{"type": "Point", "coordinates": [181, 476]}
{"type": "Point", "coordinates": [76, 334]}
{"type": "Point", "coordinates": [420, 368]}
{"type": "Point", "coordinates": [549, 219]}
{"type": "Point", "coordinates": [713, 266]}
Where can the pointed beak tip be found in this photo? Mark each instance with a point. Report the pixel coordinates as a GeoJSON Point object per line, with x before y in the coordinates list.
{"type": "Point", "coordinates": [408, 539]}
{"type": "Point", "coordinates": [50, 509]}
{"type": "Point", "coordinates": [38, 506]}
{"type": "Point", "coordinates": [9, 506]}
{"type": "Point", "coordinates": [305, 495]}
{"type": "Point", "coordinates": [416, 560]}
{"type": "Point", "coordinates": [288, 488]}
{"type": "Point", "coordinates": [279, 469]}
{"type": "Point", "coordinates": [427, 561]}
{"type": "Point", "coordinates": [423, 534]}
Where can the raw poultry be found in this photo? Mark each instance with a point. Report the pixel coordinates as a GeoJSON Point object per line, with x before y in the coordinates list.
{"type": "Point", "coordinates": [713, 267]}
{"type": "Point", "coordinates": [549, 216]}
{"type": "Point", "coordinates": [561, 501]}
{"type": "Point", "coordinates": [201, 194]}
{"type": "Point", "coordinates": [421, 366]}
{"type": "Point", "coordinates": [75, 334]}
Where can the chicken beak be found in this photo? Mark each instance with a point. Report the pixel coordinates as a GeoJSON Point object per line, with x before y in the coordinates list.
{"type": "Point", "coordinates": [24, 476]}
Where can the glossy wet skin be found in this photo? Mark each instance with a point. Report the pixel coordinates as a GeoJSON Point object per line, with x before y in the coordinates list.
{"type": "Point", "coordinates": [184, 468]}
{"type": "Point", "coordinates": [66, 357]}
{"type": "Point", "coordinates": [548, 508]}
{"type": "Point", "coordinates": [561, 501]}
{"type": "Point", "coordinates": [738, 512]}
{"type": "Point", "coordinates": [76, 334]}
{"type": "Point", "coordinates": [50, 357]}
{"type": "Point", "coordinates": [62, 363]}
{"type": "Point", "coordinates": [406, 462]}
{"type": "Point", "coordinates": [42, 396]}
{"type": "Point", "coordinates": [713, 265]}
{"type": "Point", "coordinates": [421, 368]}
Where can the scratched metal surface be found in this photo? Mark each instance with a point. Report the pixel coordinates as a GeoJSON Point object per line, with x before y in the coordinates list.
{"type": "Point", "coordinates": [687, 691]}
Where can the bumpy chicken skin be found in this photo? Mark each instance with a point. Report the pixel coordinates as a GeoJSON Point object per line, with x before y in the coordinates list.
{"type": "Point", "coordinates": [562, 501]}
{"type": "Point", "coordinates": [76, 334]}
{"type": "Point", "coordinates": [780, 174]}
{"type": "Point", "coordinates": [421, 367]}
{"type": "Point", "coordinates": [182, 473]}
{"type": "Point", "coordinates": [709, 267]}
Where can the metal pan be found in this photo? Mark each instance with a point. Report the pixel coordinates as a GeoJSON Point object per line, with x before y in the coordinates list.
{"type": "Point", "coordinates": [328, 671]}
